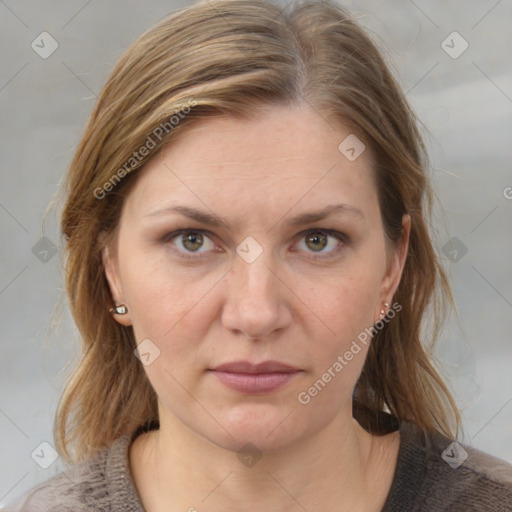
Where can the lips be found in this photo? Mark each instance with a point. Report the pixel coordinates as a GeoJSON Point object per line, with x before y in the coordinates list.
{"type": "Point", "coordinates": [249, 378]}
{"type": "Point", "coordinates": [264, 367]}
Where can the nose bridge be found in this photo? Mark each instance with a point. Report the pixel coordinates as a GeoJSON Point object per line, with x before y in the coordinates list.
{"type": "Point", "coordinates": [255, 301]}
{"type": "Point", "coordinates": [254, 281]}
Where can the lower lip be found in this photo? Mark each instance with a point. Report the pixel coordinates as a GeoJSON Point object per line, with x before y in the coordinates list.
{"type": "Point", "coordinates": [254, 383]}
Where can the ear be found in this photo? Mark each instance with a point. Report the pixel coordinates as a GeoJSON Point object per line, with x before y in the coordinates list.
{"type": "Point", "coordinates": [396, 263]}
{"type": "Point", "coordinates": [111, 268]}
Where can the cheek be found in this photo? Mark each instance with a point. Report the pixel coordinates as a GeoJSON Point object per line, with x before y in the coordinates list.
{"type": "Point", "coordinates": [346, 302]}
{"type": "Point", "coordinates": [339, 353]}
{"type": "Point", "coordinates": [163, 299]}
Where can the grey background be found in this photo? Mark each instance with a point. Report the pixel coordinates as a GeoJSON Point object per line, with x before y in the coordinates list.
{"type": "Point", "coordinates": [465, 103]}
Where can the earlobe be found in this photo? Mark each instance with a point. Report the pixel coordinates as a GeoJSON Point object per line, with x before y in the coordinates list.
{"type": "Point", "coordinates": [396, 265]}
{"type": "Point", "coordinates": [119, 309]}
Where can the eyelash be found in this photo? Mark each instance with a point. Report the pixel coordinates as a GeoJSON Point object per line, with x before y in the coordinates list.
{"type": "Point", "coordinates": [341, 237]}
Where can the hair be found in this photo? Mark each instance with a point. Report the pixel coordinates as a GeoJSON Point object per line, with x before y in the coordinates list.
{"type": "Point", "coordinates": [231, 58]}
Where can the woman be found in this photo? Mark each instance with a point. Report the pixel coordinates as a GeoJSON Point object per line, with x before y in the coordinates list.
{"type": "Point", "coordinates": [249, 265]}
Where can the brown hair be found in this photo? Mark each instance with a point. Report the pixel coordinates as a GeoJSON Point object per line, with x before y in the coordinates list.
{"type": "Point", "coordinates": [231, 57]}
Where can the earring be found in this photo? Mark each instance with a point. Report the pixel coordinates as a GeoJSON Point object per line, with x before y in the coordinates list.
{"type": "Point", "coordinates": [119, 309]}
{"type": "Point", "coordinates": [383, 311]}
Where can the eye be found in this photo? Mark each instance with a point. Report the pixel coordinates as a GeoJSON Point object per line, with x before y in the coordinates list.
{"type": "Point", "coordinates": [190, 241]}
{"type": "Point", "coordinates": [323, 242]}
{"type": "Point", "coordinates": [316, 240]}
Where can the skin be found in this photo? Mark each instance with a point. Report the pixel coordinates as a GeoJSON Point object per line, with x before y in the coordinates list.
{"type": "Point", "coordinates": [285, 305]}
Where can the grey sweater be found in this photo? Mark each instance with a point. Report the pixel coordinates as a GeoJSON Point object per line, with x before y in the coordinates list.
{"type": "Point", "coordinates": [432, 475]}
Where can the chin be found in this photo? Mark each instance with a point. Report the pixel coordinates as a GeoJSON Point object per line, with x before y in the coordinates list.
{"type": "Point", "coordinates": [267, 427]}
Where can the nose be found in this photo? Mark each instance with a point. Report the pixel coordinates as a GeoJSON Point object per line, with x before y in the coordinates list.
{"type": "Point", "coordinates": [256, 301]}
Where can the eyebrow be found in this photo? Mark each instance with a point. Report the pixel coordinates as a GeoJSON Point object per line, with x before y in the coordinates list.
{"type": "Point", "coordinates": [211, 219]}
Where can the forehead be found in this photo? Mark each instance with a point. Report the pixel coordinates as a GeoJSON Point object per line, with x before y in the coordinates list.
{"type": "Point", "coordinates": [284, 155]}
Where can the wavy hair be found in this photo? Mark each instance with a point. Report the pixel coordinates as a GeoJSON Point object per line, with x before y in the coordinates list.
{"type": "Point", "coordinates": [231, 57]}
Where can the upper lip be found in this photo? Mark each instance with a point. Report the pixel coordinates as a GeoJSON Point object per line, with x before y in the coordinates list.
{"type": "Point", "coordinates": [248, 367]}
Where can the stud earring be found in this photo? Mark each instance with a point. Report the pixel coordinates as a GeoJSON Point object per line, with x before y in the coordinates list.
{"type": "Point", "coordinates": [383, 311]}
{"type": "Point", "coordinates": [119, 309]}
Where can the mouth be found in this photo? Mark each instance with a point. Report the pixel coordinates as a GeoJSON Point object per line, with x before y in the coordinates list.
{"type": "Point", "coordinates": [250, 378]}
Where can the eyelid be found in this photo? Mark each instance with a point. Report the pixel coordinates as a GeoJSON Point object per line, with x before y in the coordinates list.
{"type": "Point", "coordinates": [174, 234]}
{"type": "Point", "coordinates": [340, 236]}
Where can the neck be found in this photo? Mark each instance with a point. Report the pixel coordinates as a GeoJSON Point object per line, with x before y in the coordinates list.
{"type": "Point", "coordinates": [336, 469]}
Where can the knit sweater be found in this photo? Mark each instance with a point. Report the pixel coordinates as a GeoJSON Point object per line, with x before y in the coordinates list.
{"type": "Point", "coordinates": [432, 474]}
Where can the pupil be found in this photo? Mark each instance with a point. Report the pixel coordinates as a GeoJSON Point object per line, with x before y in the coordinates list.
{"type": "Point", "coordinates": [317, 240]}
{"type": "Point", "coordinates": [194, 239]}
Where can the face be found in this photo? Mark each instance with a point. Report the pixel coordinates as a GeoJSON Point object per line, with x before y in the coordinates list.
{"type": "Point", "coordinates": [254, 241]}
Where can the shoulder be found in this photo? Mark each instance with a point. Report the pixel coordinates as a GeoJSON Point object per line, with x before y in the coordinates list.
{"type": "Point", "coordinates": [436, 473]}
{"type": "Point", "coordinates": [93, 484]}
